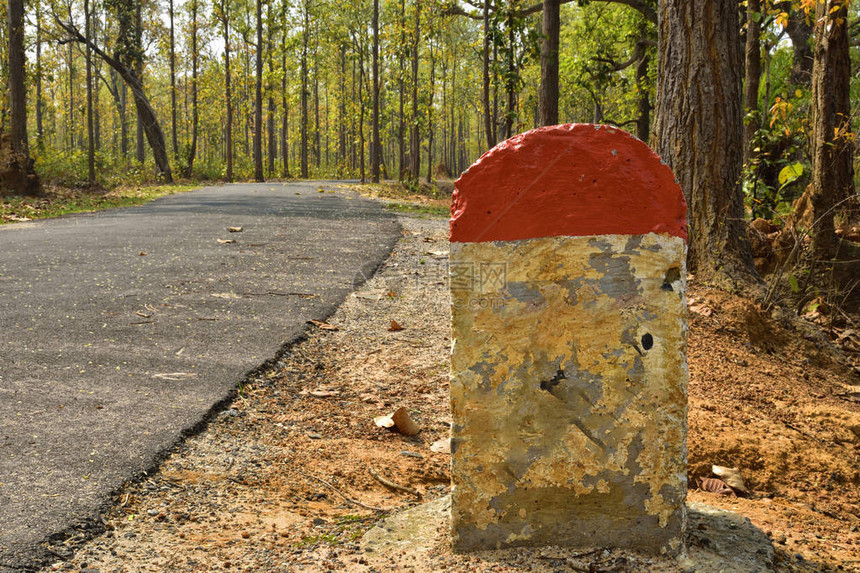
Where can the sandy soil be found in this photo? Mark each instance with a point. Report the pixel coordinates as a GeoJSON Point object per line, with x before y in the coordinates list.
{"type": "Point", "coordinates": [282, 480]}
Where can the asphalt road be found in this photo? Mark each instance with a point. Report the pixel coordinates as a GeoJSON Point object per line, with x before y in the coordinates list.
{"type": "Point", "coordinates": [123, 329]}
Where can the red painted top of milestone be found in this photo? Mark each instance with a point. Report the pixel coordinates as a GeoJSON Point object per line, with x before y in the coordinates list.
{"type": "Point", "coordinates": [567, 180]}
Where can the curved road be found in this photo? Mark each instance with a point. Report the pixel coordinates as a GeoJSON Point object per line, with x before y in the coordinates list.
{"type": "Point", "coordinates": [123, 329]}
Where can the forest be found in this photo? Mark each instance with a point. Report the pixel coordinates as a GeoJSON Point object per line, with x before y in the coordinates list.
{"type": "Point", "coordinates": [102, 92]}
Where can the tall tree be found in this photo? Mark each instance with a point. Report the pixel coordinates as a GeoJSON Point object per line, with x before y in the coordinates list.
{"type": "Point", "coordinates": [258, 99]}
{"type": "Point", "coordinates": [548, 97]}
{"type": "Point", "coordinates": [415, 146]}
{"type": "Point", "coordinates": [831, 143]}
{"type": "Point", "coordinates": [40, 143]}
{"type": "Point", "coordinates": [172, 58]}
{"type": "Point", "coordinates": [194, 7]}
{"type": "Point", "coordinates": [485, 77]}
{"type": "Point", "coordinates": [22, 179]}
{"type": "Point", "coordinates": [285, 147]}
{"type": "Point", "coordinates": [303, 152]}
{"type": "Point", "coordinates": [224, 16]}
{"type": "Point", "coordinates": [752, 67]}
{"type": "Point", "coordinates": [374, 146]}
{"type": "Point", "coordinates": [91, 144]}
{"type": "Point", "coordinates": [698, 130]}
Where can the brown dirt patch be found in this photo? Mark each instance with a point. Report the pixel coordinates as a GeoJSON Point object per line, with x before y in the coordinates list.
{"type": "Point", "coordinates": [247, 494]}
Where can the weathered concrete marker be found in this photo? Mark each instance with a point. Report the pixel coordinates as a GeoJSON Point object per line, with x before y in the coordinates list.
{"type": "Point", "coordinates": [569, 375]}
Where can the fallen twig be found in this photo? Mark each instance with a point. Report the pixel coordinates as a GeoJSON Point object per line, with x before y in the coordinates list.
{"type": "Point", "coordinates": [337, 491]}
{"type": "Point", "coordinates": [391, 485]}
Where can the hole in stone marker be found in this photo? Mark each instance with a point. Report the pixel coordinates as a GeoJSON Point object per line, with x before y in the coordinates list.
{"type": "Point", "coordinates": [671, 276]}
{"type": "Point", "coordinates": [548, 385]}
{"type": "Point", "coordinates": [647, 341]}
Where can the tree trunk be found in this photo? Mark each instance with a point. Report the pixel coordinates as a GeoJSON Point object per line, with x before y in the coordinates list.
{"type": "Point", "coordinates": [258, 99]}
{"type": "Point", "coordinates": [752, 69]}
{"type": "Point", "coordinates": [415, 151]}
{"type": "Point", "coordinates": [831, 145]}
{"type": "Point", "coordinates": [374, 149]}
{"type": "Point", "coordinates": [316, 146]}
{"type": "Point", "coordinates": [18, 176]}
{"type": "Point", "coordinates": [140, 152]}
{"type": "Point", "coordinates": [225, 21]}
{"type": "Point", "coordinates": [192, 148]}
{"type": "Point", "coordinates": [800, 31]}
{"type": "Point", "coordinates": [511, 79]}
{"type": "Point", "coordinates": [401, 127]}
{"type": "Point", "coordinates": [361, 172]}
{"type": "Point", "coordinates": [304, 95]}
{"type": "Point", "coordinates": [699, 133]}
{"type": "Point", "coordinates": [91, 148]}
{"type": "Point", "coordinates": [170, 14]}
{"type": "Point", "coordinates": [485, 76]}
{"type": "Point", "coordinates": [643, 120]}
{"type": "Point", "coordinates": [39, 127]}
{"type": "Point", "coordinates": [123, 116]}
{"type": "Point", "coordinates": [430, 113]}
{"type": "Point", "coordinates": [548, 96]}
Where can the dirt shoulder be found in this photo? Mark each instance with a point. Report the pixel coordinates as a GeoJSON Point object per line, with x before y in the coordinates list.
{"type": "Point", "coordinates": [282, 480]}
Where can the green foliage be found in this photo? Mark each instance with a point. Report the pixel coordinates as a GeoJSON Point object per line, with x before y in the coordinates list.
{"type": "Point", "coordinates": [777, 170]}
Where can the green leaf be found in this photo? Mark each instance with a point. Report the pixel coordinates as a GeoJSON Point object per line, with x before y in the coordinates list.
{"type": "Point", "coordinates": [790, 173]}
{"type": "Point", "coordinates": [792, 282]}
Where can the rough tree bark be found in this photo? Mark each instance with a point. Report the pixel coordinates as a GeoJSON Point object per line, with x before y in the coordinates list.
{"type": "Point", "coordinates": [548, 95]}
{"type": "Point", "coordinates": [18, 176]}
{"type": "Point", "coordinates": [752, 67]}
{"type": "Point", "coordinates": [698, 130]}
{"type": "Point", "coordinates": [831, 146]}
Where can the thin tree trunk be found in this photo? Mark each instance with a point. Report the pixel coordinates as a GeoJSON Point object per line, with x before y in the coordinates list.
{"type": "Point", "coordinates": [39, 127]}
{"type": "Point", "coordinates": [341, 165]}
{"type": "Point", "coordinates": [273, 146]}
{"type": "Point", "coordinates": [258, 99]}
{"type": "Point", "coordinates": [548, 97]}
{"type": "Point", "coordinates": [91, 148]}
{"type": "Point", "coordinates": [170, 14]}
{"type": "Point", "coordinates": [374, 149]}
{"type": "Point", "coordinates": [485, 71]}
{"type": "Point", "coordinates": [317, 150]}
{"type": "Point", "coordinates": [138, 72]}
{"type": "Point", "coordinates": [752, 69]}
{"type": "Point", "coordinates": [97, 135]}
{"type": "Point", "coordinates": [225, 21]}
{"type": "Point", "coordinates": [511, 79]}
{"type": "Point", "coordinates": [430, 115]}
{"type": "Point", "coordinates": [699, 100]}
{"type": "Point", "coordinates": [192, 148]}
{"type": "Point", "coordinates": [415, 152]}
{"type": "Point", "coordinates": [361, 112]}
{"type": "Point", "coordinates": [123, 117]}
{"type": "Point", "coordinates": [401, 128]}
{"type": "Point", "coordinates": [304, 95]}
